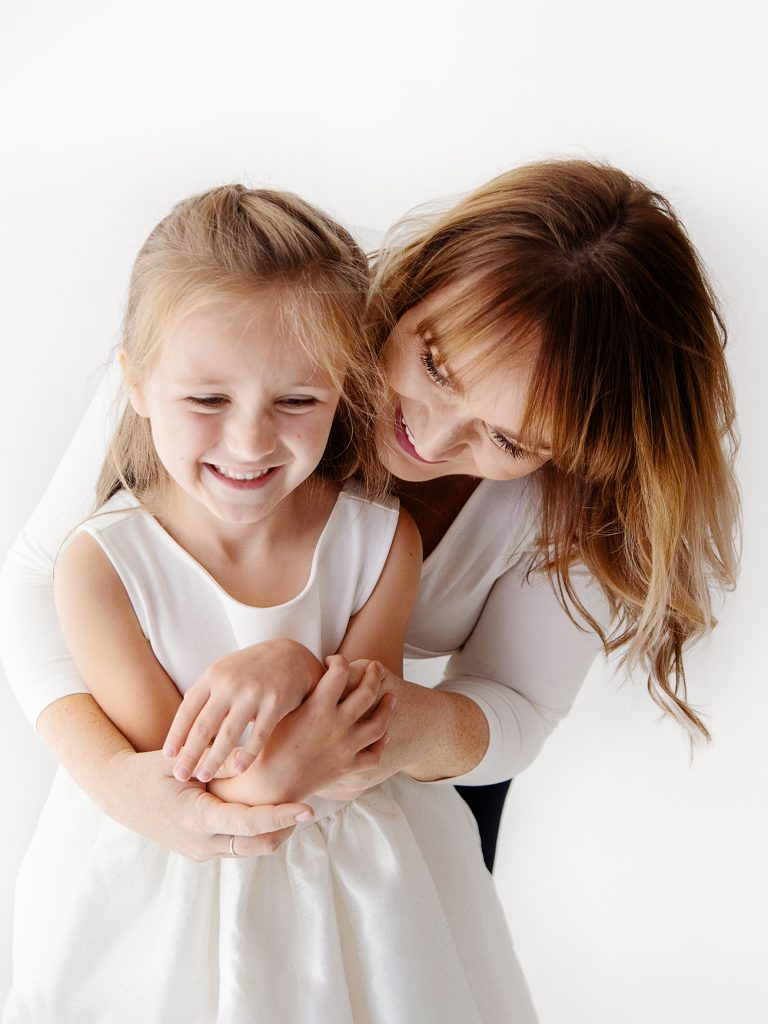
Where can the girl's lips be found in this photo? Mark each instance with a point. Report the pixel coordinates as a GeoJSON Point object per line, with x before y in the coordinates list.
{"type": "Point", "coordinates": [405, 444]}
{"type": "Point", "coordinates": [243, 485]}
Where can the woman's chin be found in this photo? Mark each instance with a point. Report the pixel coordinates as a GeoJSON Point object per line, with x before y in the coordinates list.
{"type": "Point", "coordinates": [404, 468]}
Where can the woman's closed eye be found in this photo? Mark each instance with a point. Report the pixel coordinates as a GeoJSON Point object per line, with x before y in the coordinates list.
{"type": "Point", "coordinates": [508, 446]}
{"type": "Point", "coordinates": [435, 371]}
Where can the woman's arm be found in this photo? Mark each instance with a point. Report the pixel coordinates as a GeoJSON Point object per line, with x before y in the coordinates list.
{"type": "Point", "coordinates": [514, 679]}
{"type": "Point", "coordinates": [137, 790]}
{"type": "Point", "coordinates": [35, 656]}
{"type": "Point", "coordinates": [133, 788]}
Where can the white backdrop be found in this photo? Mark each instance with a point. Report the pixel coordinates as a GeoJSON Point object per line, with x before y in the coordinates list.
{"type": "Point", "coordinates": [634, 882]}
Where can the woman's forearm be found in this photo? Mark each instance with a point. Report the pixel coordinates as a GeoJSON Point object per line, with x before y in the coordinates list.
{"type": "Point", "coordinates": [138, 791]}
{"type": "Point", "coordinates": [85, 741]}
{"type": "Point", "coordinates": [435, 735]}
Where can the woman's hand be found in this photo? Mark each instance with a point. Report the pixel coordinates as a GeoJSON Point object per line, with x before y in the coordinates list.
{"type": "Point", "coordinates": [139, 791]}
{"type": "Point", "coordinates": [259, 684]}
{"type": "Point", "coordinates": [328, 736]}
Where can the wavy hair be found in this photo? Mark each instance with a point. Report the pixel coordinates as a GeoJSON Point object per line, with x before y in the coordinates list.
{"type": "Point", "coordinates": [629, 382]}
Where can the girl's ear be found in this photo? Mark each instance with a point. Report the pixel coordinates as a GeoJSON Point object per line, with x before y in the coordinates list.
{"type": "Point", "coordinates": [135, 392]}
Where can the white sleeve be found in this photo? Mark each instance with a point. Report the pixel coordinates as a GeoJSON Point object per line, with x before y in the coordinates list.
{"type": "Point", "coordinates": [35, 655]}
{"type": "Point", "coordinates": [523, 665]}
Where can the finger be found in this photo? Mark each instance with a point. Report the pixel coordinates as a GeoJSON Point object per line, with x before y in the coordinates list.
{"type": "Point", "coordinates": [206, 726]}
{"type": "Point", "coordinates": [227, 738]}
{"type": "Point", "coordinates": [369, 758]}
{"type": "Point", "coordinates": [331, 685]}
{"type": "Point", "coordinates": [364, 697]}
{"type": "Point", "coordinates": [369, 730]}
{"type": "Point", "coordinates": [263, 726]}
{"type": "Point", "coordinates": [193, 703]}
{"type": "Point", "coordinates": [356, 671]}
{"type": "Point", "coordinates": [222, 818]}
{"type": "Point", "coordinates": [254, 846]}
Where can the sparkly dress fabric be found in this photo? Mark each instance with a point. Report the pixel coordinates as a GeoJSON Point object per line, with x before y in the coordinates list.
{"type": "Point", "coordinates": [380, 911]}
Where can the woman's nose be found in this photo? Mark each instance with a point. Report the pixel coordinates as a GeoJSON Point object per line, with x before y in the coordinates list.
{"type": "Point", "coordinates": [443, 439]}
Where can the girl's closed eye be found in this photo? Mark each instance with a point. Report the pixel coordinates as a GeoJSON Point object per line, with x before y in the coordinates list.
{"type": "Point", "coordinates": [298, 403]}
{"type": "Point", "coordinates": [208, 401]}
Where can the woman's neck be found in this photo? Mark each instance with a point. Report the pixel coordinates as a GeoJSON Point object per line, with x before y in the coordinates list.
{"type": "Point", "coordinates": [434, 504]}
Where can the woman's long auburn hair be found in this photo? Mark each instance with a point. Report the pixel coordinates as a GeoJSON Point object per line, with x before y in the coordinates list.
{"type": "Point", "coordinates": [630, 384]}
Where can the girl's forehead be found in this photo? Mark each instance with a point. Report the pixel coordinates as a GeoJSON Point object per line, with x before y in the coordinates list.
{"type": "Point", "coordinates": [237, 340]}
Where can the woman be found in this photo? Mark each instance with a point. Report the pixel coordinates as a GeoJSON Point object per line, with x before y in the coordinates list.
{"type": "Point", "coordinates": [560, 426]}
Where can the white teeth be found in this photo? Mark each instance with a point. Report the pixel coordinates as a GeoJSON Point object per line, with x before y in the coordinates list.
{"type": "Point", "coordinates": [407, 430]}
{"type": "Point", "coordinates": [230, 474]}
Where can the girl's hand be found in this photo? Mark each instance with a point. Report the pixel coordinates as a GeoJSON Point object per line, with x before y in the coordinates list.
{"type": "Point", "coordinates": [327, 737]}
{"type": "Point", "coordinates": [259, 685]}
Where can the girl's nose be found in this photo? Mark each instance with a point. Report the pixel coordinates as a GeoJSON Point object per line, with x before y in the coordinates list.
{"type": "Point", "coordinates": [251, 438]}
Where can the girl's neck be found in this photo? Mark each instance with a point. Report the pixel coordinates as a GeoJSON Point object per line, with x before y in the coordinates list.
{"type": "Point", "coordinates": [263, 563]}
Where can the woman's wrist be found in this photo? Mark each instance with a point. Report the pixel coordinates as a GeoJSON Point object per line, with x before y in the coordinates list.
{"type": "Point", "coordinates": [435, 735]}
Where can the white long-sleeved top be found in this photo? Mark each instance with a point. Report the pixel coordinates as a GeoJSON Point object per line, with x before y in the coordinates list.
{"type": "Point", "coordinates": [513, 649]}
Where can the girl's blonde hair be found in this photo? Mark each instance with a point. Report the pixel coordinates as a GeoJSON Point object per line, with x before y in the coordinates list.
{"type": "Point", "coordinates": [233, 243]}
{"type": "Point", "coordinates": [629, 383]}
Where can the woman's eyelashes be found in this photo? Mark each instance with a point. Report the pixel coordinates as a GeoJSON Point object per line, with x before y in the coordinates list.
{"type": "Point", "coordinates": [432, 365]}
{"type": "Point", "coordinates": [437, 374]}
{"type": "Point", "coordinates": [508, 446]}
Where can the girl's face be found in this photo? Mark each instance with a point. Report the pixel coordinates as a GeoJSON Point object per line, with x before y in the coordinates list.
{"type": "Point", "coordinates": [240, 415]}
{"type": "Point", "coordinates": [431, 429]}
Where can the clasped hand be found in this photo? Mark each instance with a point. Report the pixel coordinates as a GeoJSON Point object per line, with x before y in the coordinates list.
{"type": "Point", "coordinates": [316, 726]}
{"type": "Point", "coordinates": [258, 685]}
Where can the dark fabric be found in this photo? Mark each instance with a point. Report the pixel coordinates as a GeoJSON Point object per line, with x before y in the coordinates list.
{"type": "Point", "coordinates": [486, 803]}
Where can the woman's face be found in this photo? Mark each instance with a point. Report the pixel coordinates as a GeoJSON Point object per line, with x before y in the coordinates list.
{"type": "Point", "coordinates": [430, 429]}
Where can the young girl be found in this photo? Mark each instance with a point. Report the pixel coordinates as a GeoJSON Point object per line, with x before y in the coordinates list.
{"type": "Point", "coordinates": [225, 538]}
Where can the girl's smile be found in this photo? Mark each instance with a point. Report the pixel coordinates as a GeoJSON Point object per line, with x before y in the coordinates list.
{"type": "Point", "coordinates": [239, 412]}
{"type": "Point", "coordinates": [242, 479]}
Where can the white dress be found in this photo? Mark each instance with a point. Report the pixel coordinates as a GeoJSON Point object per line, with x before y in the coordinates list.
{"type": "Point", "coordinates": [380, 911]}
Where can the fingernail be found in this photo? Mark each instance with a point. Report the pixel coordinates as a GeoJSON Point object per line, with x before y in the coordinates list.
{"type": "Point", "coordinates": [380, 671]}
{"type": "Point", "coordinates": [169, 751]}
{"type": "Point", "coordinates": [205, 775]}
{"type": "Point", "coordinates": [181, 774]}
{"type": "Point", "coordinates": [304, 816]}
{"type": "Point", "coordinates": [241, 765]}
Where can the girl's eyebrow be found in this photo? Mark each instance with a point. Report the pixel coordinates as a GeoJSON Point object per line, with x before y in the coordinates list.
{"type": "Point", "coordinates": [194, 382]}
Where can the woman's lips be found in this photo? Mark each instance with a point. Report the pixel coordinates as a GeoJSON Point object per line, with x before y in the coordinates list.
{"type": "Point", "coordinates": [404, 442]}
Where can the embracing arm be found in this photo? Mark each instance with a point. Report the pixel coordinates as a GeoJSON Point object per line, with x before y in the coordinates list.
{"type": "Point", "coordinates": [336, 731]}
{"type": "Point", "coordinates": [514, 679]}
{"type": "Point", "coordinates": [133, 788]}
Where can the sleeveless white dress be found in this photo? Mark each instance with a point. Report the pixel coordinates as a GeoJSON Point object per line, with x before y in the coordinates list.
{"type": "Point", "coordinates": [380, 911]}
